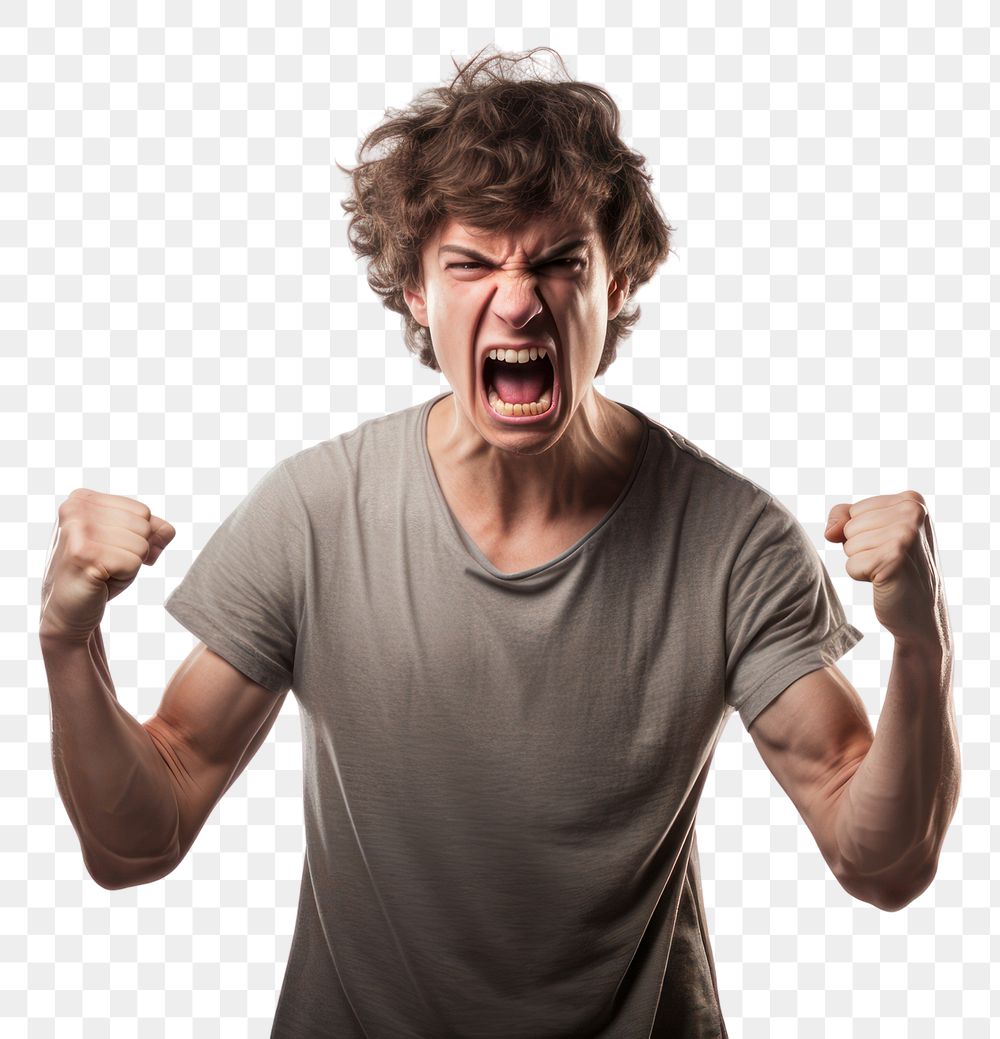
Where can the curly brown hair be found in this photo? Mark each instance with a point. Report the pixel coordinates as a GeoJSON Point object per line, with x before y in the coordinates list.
{"type": "Point", "coordinates": [493, 152]}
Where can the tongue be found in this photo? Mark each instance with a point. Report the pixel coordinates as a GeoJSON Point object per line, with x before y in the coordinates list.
{"type": "Point", "coordinates": [520, 383]}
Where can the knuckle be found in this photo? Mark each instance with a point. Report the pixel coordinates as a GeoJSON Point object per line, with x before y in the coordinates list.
{"type": "Point", "coordinates": [74, 501]}
{"type": "Point", "coordinates": [85, 527]}
{"type": "Point", "coordinates": [79, 550]}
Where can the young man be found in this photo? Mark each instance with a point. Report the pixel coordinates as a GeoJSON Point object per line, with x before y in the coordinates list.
{"type": "Point", "coordinates": [516, 620]}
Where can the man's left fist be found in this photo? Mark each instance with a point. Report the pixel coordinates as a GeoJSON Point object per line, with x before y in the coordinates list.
{"type": "Point", "coordinates": [889, 541]}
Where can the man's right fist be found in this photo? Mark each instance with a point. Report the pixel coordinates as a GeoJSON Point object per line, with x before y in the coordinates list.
{"type": "Point", "coordinates": [101, 540]}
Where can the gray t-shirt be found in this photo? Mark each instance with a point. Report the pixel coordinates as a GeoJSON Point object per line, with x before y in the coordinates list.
{"type": "Point", "coordinates": [501, 772]}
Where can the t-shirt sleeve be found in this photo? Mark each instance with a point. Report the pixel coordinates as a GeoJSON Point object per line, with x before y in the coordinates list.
{"type": "Point", "coordinates": [242, 595]}
{"type": "Point", "coordinates": [783, 616]}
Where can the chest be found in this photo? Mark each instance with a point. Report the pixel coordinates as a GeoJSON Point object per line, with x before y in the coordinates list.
{"type": "Point", "coordinates": [511, 551]}
{"type": "Point", "coordinates": [559, 699]}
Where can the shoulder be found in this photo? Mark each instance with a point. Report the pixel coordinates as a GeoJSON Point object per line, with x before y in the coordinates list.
{"type": "Point", "coordinates": [708, 493]}
{"type": "Point", "coordinates": [353, 463]}
{"type": "Point", "coordinates": [379, 435]}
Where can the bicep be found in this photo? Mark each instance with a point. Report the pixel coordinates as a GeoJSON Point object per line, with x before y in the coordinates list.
{"type": "Point", "coordinates": [209, 725]}
{"type": "Point", "coordinates": [813, 737]}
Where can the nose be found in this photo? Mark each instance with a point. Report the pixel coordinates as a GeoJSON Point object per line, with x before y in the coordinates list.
{"type": "Point", "coordinates": [516, 299]}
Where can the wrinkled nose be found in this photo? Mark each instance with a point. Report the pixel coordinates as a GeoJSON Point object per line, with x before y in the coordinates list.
{"type": "Point", "coordinates": [517, 300]}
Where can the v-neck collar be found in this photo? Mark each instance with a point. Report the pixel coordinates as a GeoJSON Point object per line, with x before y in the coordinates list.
{"type": "Point", "coordinates": [466, 547]}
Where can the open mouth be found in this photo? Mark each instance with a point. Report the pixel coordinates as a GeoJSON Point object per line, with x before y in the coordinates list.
{"type": "Point", "coordinates": [520, 390]}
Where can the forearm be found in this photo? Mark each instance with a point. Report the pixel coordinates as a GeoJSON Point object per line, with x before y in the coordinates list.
{"type": "Point", "coordinates": [897, 806]}
{"type": "Point", "coordinates": [112, 780]}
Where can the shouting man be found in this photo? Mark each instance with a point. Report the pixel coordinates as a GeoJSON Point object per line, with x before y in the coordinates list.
{"type": "Point", "coordinates": [516, 620]}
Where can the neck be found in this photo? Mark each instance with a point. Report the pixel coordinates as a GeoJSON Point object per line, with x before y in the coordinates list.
{"type": "Point", "coordinates": [584, 469]}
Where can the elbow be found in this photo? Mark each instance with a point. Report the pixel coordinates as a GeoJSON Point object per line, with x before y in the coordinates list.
{"type": "Point", "coordinates": [112, 884]}
{"type": "Point", "coordinates": [889, 893]}
{"type": "Point", "coordinates": [892, 901]}
{"type": "Point", "coordinates": [902, 897]}
{"type": "Point", "coordinates": [116, 873]}
{"type": "Point", "coordinates": [110, 880]}
{"type": "Point", "coordinates": [120, 881]}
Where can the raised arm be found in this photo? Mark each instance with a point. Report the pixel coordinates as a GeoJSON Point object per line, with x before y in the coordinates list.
{"type": "Point", "coordinates": [136, 794]}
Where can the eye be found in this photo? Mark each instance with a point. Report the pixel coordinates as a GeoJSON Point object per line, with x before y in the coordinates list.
{"type": "Point", "coordinates": [572, 262]}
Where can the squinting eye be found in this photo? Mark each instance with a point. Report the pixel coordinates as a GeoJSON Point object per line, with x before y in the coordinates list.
{"type": "Point", "coordinates": [574, 261]}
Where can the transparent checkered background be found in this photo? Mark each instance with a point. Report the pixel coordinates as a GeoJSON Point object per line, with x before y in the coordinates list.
{"type": "Point", "coordinates": [179, 311]}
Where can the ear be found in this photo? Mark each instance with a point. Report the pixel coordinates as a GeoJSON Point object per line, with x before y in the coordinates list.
{"type": "Point", "coordinates": [617, 294]}
{"type": "Point", "coordinates": [417, 302]}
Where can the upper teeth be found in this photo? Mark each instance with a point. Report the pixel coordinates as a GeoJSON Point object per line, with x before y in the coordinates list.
{"type": "Point", "coordinates": [518, 356]}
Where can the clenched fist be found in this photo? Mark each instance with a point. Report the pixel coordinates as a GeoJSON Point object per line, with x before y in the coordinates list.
{"type": "Point", "coordinates": [100, 542]}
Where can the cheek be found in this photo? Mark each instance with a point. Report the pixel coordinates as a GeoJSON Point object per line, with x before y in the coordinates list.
{"type": "Point", "coordinates": [587, 314]}
{"type": "Point", "coordinates": [455, 309]}
{"type": "Point", "coordinates": [453, 319]}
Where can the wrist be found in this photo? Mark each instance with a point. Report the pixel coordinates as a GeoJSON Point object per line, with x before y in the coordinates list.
{"type": "Point", "coordinates": [931, 648]}
{"type": "Point", "coordinates": [52, 639]}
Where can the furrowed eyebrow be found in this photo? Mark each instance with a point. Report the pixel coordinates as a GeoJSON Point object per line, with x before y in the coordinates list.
{"type": "Point", "coordinates": [461, 250]}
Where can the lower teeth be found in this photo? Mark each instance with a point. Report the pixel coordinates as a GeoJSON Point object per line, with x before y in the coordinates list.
{"type": "Point", "coordinates": [501, 407]}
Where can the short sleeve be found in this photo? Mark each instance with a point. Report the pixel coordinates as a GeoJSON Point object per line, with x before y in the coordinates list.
{"type": "Point", "coordinates": [783, 616]}
{"type": "Point", "coordinates": [242, 595]}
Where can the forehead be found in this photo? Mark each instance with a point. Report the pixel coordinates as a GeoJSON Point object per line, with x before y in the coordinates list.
{"type": "Point", "coordinates": [532, 237]}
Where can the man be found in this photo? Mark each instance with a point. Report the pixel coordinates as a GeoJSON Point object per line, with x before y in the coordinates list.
{"type": "Point", "coordinates": [516, 620]}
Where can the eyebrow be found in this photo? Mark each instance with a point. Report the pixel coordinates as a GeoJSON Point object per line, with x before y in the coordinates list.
{"type": "Point", "coordinates": [550, 255]}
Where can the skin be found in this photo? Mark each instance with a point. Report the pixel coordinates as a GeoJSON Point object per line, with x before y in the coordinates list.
{"type": "Point", "coordinates": [577, 459]}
